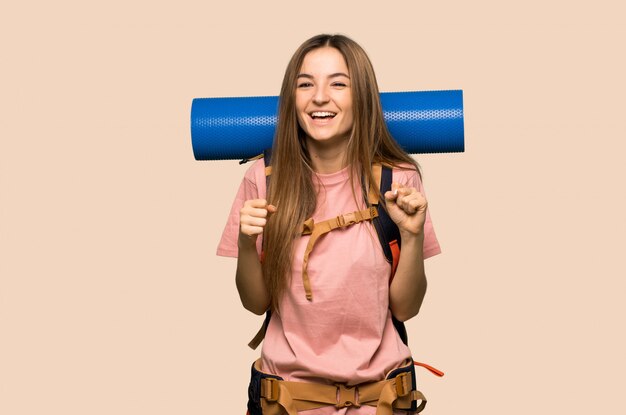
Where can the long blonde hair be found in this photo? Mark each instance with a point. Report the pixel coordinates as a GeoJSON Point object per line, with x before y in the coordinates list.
{"type": "Point", "coordinates": [291, 186]}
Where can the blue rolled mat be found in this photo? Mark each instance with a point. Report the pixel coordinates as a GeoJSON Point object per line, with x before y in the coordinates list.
{"type": "Point", "coordinates": [242, 127]}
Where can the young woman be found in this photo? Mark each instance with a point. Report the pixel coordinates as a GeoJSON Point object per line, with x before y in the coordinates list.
{"type": "Point", "coordinates": [332, 301]}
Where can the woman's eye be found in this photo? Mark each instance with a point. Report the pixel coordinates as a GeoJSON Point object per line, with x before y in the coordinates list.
{"type": "Point", "coordinates": [339, 84]}
{"type": "Point", "coordinates": [304, 85]}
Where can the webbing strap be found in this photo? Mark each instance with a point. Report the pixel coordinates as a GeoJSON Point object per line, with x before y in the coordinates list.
{"type": "Point", "coordinates": [372, 196]}
{"type": "Point", "coordinates": [258, 338]}
{"type": "Point", "coordinates": [316, 230]}
{"type": "Point", "coordinates": [432, 370]}
{"type": "Point", "coordinates": [390, 395]}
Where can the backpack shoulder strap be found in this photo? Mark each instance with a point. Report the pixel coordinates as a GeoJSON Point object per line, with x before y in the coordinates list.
{"type": "Point", "coordinates": [267, 159]}
{"type": "Point", "coordinates": [254, 343]}
{"type": "Point", "coordinates": [388, 234]}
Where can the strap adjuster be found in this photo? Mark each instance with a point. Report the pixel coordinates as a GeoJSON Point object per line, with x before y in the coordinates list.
{"type": "Point", "coordinates": [373, 212]}
{"type": "Point", "coordinates": [403, 384]}
{"type": "Point", "coordinates": [269, 389]}
{"type": "Point", "coordinates": [351, 218]}
{"type": "Point", "coordinates": [346, 219]}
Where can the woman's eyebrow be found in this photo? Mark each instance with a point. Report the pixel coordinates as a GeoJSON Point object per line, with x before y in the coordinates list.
{"type": "Point", "coordinates": [334, 75]}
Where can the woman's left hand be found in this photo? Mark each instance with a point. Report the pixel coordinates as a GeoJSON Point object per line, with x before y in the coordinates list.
{"type": "Point", "coordinates": [407, 208]}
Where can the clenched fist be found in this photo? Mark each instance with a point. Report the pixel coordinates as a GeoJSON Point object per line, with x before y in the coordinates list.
{"type": "Point", "coordinates": [407, 208]}
{"type": "Point", "coordinates": [253, 217]}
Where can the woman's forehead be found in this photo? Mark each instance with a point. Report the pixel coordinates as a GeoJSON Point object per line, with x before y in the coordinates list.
{"type": "Point", "coordinates": [324, 61]}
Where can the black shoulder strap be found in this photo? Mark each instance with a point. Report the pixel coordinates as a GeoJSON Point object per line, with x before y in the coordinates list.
{"type": "Point", "coordinates": [388, 232]}
{"type": "Point", "coordinates": [267, 159]}
{"type": "Point", "coordinates": [267, 156]}
{"type": "Point", "coordinates": [385, 226]}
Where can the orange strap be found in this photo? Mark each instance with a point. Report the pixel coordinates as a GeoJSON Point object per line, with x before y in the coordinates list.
{"type": "Point", "coordinates": [395, 254]}
{"type": "Point", "coordinates": [316, 230]}
{"type": "Point", "coordinates": [430, 368]}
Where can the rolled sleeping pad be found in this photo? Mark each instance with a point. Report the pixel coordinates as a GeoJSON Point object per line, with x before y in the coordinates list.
{"type": "Point", "coordinates": [242, 127]}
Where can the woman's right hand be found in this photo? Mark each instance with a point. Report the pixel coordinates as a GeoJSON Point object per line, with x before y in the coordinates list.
{"type": "Point", "coordinates": [253, 217]}
{"type": "Point", "coordinates": [249, 278]}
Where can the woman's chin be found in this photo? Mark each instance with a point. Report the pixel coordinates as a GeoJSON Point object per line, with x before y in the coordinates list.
{"type": "Point", "coordinates": [327, 140]}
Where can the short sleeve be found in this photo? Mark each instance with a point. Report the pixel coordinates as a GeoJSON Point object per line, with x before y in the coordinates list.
{"type": "Point", "coordinates": [410, 178]}
{"type": "Point", "coordinates": [252, 187]}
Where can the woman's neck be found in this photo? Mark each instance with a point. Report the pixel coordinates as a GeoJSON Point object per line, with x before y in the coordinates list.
{"type": "Point", "coordinates": [327, 157]}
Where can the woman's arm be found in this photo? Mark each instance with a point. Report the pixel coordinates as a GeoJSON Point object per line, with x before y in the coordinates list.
{"type": "Point", "coordinates": [407, 208]}
{"type": "Point", "coordinates": [249, 276]}
{"type": "Point", "coordinates": [408, 286]}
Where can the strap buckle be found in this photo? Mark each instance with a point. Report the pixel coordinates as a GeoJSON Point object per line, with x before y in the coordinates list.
{"type": "Point", "coordinates": [346, 219]}
{"type": "Point", "coordinates": [347, 396]}
{"type": "Point", "coordinates": [403, 384]}
{"type": "Point", "coordinates": [269, 389]}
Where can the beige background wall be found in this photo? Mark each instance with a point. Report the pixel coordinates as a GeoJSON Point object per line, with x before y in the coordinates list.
{"type": "Point", "coordinates": [112, 300]}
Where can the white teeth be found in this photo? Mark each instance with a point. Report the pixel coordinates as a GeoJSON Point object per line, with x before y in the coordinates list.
{"type": "Point", "coordinates": [323, 114]}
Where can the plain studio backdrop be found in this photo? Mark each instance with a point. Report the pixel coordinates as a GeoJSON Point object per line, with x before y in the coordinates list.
{"type": "Point", "coordinates": [112, 300]}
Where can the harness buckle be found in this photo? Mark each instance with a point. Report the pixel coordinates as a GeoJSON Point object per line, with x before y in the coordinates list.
{"type": "Point", "coordinates": [403, 384]}
{"type": "Point", "coordinates": [269, 389]}
{"type": "Point", "coordinates": [347, 396]}
{"type": "Point", "coordinates": [346, 219]}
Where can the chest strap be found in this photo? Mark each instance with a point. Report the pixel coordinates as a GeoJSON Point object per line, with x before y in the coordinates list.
{"type": "Point", "coordinates": [316, 230]}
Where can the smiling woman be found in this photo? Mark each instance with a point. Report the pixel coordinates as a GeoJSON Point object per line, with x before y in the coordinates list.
{"type": "Point", "coordinates": [335, 331]}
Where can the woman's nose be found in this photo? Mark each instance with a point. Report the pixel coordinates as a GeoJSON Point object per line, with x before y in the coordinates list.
{"type": "Point", "coordinates": [320, 96]}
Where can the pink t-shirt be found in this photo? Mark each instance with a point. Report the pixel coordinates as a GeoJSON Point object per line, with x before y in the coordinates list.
{"type": "Point", "coordinates": [345, 334]}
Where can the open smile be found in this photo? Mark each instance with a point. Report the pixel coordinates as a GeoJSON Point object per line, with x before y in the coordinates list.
{"type": "Point", "coordinates": [322, 115]}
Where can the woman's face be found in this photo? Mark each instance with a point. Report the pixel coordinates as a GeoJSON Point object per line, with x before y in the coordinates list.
{"type": "Point", "coordinates": [324, 97]}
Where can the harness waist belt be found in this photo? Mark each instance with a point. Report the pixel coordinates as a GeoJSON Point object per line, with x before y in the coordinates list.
{"type": "Point", "coordinates": [278, 395]}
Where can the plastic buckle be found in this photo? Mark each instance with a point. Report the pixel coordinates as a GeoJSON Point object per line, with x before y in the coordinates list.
{"type": "Point", "coordinates": [269, 389]}
{"type": "Point", "coordinates": [403, 386]}
{"type": "Point", "coordinates": [347, 397]}
{"type": "Point", "coordinates": [346, 219]}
